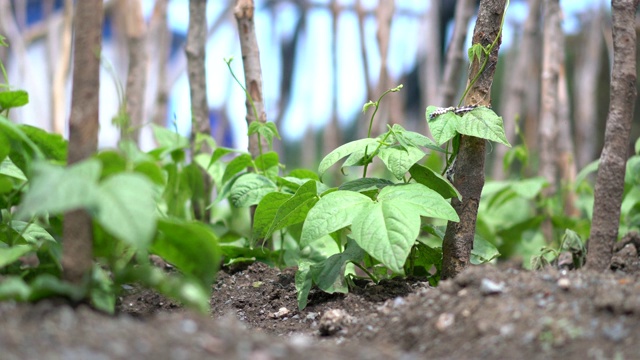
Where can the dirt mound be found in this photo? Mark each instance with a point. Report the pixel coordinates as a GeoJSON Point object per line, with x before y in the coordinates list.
{"type": "Point", "coordinates": [485, 312]}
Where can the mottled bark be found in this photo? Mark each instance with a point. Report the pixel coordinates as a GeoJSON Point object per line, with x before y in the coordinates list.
{"type": "Point", "coordinates": [456, 54]}
{"type": "Point", "coordinates": [566, 153]}
{"type": "Point", "coordinates": [469, 166]}
{"type": "Point", "coordinates": [61, 71]}
{"type": "Point", "coordinates": [331, 131]}
{"type": "Point", "coordinates": [244, 13]}
{"type": "Point", "coordinates": [195, 51]}
{"type": "Point", "coordinates": [430, 70]}
{"type": "Point", "coordinates": [384, 17]}
{"type": "Point", "coordinates": [137, 74]}
{"type": "Point", "coordinates": [83, 131]}
{"type": "Point", "coordinates": [548, 127]}
{"type": "Point", "coordinates": [363, 49]}
{"type": "Point", "coordinates": [588, 64]}
{"type": "Point", "coordinates": [610, 178]}
{"type": "Point", "coordinates": [514, 94]}
{"type": "Point", "coordinates": [160, 40]}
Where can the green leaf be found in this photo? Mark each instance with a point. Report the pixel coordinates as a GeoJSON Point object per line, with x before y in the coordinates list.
{"type": "Point", "coordinates": [53, 146]}
{"type": "Point", "coordinates": [427, 256]}
{"type": "Point", "coordinates": [6, 186]}
{"type": "Point", "coordinates": [329, 274]}
{"type": "Point", "coordinates": [483, 251]}
{"type": "Point", "coordinates": [5, 147]}
{"type": "Point", "coordinates": [218, 153]}
{"type": "Point", "coordinates": [387, 230]}
{"type": "Point", "coordinates": [112, 163]}
{"type": "Point", "coordinates": [476, 51]}
{"type": "Point", "coordinates": [333, 212]}
{"type": "Point", "coordinates": [13, 99]}
{"type": "Point", "coordinates": [152, 171]}
{"type": "Point", "coordinates": [344, 150]}
{"type": "Point", "coordinates": [55, 189]}
{"type": "Point", "coordinates": [399, 160]}
{"type": "Point", "coordinates": [192, 247]}
{"type": "Point", "coordinates": [47, 285]}
{"type": "Point", "coordinates": [368, 105]}
{"type": "Point", "coordinates": [482, 122]}
{"type": "Point", "coordinates": [127, 208]}
{"type": "Point", "coordinates": [442, 127]}
{"type": "Point", "coordinates": [14, 288]}
{"type": "Point", "coordinates": [433, 180]}
{"type": "Point", "coordinates": [8, 168]}
{"type": "Point", "coordinates": [238, 164]}
{"type": "Point", "coordinates": [267, 160]}
{"type": "Point", "coordinates": [249, 189]}
{"type": "Point", "coordinates": [365, 184]}
{"type": "Point", "coordinates": [266, 213]}
{"type": "Point", "coordinates": [102, 292]}
{"type": "Point", "coordinates": [9, 255]}
{"type": "Point", "coordinates": [32, 233]}
{"type": "Point", "coordinates": [295, 209]}
{"type": "Point", "coordinates": [415, 138]}
{"type": "Point", "coordinates": [424, 201]}
{"type": "Point", "coordinates": [304, 174]}
{"type": "Point", "coordinates": [170, 140]}
{"type": "Point", "coordinates": [303, 283]}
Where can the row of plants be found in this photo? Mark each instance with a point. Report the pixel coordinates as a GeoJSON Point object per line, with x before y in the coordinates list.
{"type": "Point", "coordinates": [389, 221]}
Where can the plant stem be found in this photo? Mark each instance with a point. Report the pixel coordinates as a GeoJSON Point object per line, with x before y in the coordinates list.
{"type": "Point", "coordinates": [370, 275]}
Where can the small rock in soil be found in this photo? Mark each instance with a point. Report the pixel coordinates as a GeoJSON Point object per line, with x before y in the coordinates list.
{"type": "Point", "coordinates": [334, 320]}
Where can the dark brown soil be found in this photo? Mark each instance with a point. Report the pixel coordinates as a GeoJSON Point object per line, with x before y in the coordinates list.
{"type": "Point", "coordinates": [487, 312]}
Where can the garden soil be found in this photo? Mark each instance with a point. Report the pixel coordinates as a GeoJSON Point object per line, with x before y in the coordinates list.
{"type": "Point", "coordinates": [489, 311]}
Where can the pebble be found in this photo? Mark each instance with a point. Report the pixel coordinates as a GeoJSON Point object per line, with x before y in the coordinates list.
{"type": "Point", "coordinates": [445, 321]}
{"type": "Point", "coordinates": [564, 283]}
{"type": "Point", "coordinates": [489, 287]}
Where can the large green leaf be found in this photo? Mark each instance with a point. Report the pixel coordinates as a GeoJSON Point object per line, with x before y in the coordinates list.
{"type": "Point", "coordinates": [267, 160]}
{"type": "Point", "coordinates": [53, 146]}
{"type": "Point", "coordinates": [442, 127]}
{"type": "Point", "coordinates": [266, 213]}
{"type": "Point", "coordinates": [249, 189]}
{"type": "Point", "coordinates": [344, 150]}
{"type": "Point", "coordinates": [425, 201]}
{"type": "Point", "coordinates": [333, 212]}
{"type": "Point", "coordinates": [14, 288]}
{"type": "Point", "coordinates": [8, 255]}
{"type": "Point", "coordinates": [191, 247]}
{"type": "Point", "coordinates": [482, 122]}
{"type": "Point", "coordinates": [399, 160]}
{"type": "Point", "coordinates": [13, 99]}
{"type": "Point", "coordinates": [56, 189]}
{"type": "Point", "coordinates": [414, 138]}
{"type": "Point", "coordinates": [387, 230]}
{"type": "Point", "coordinates": [433, 180]}
{"type": "Point", "coordinates": [127, 208]}
{"type": "Point", "coordinates": [8, 168]}
{"type": "Point", "coordinates": [169, 140]}
{"type": "Point", "coordinates": [295, 209]}
{"type": "Point", "coordinates": [365, 184]}
{"type": "Point", "coordinates": [238, 164]}
{"type": "Point", "coordinates": [329, 274]}
{"type": "Point", "coordinates": [303, 281]}
{"type": "Point", "coordinates": [31, 233]}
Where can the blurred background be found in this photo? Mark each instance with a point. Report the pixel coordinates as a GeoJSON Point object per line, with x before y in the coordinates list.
{"type": "Point", "coordinates": [321, 61]}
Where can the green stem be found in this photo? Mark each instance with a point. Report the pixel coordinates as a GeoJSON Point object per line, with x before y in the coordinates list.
{"type": "Point", "coordinates": [367, 158]}
{"type": "Point", "coordinates": [487, 52]}
{"type": "Point", "coordinates": [253, 105]}
{"type": "Point", "coordinates": [370, 275]}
